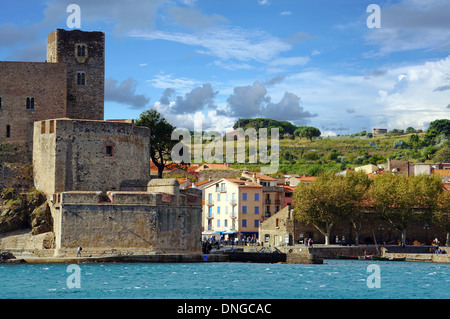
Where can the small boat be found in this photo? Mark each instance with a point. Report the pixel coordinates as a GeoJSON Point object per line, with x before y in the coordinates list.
{"type": "Point", "coordinates": [365, 257]}
{"type": "Point", "coordinates": [379, 258]}
{"type": "Point", "coordinates": [347, 257]}
{"type": "Point", "coordinates": [388, 258]}
{"type": "Point", "coordinates": [397, 259]}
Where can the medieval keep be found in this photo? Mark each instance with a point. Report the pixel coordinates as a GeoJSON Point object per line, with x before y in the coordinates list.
{"type": "Point", "coordinates": [94, 173]}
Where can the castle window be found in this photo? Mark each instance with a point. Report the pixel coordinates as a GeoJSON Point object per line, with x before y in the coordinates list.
{"type": "Point", "coordinates": [0, 102]}
{"type": "Point", "coordinates": [52, 126]}
{"type": "Point", "coordinates": [81, 50]}
{"type": "Point", "coordinates": [109, 150]}
{"type": "Point", "coordinates": [81, 78]}
{"type": "Point", "coordinates": [43, 127]}
{"type": "Point", "coordinates": [8, 131]}
{"type": "Point", "coordinates": [30, 103]}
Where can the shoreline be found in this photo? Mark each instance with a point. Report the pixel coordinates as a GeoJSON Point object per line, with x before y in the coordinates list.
{"type": "Point", "coordinates": [314, 256]}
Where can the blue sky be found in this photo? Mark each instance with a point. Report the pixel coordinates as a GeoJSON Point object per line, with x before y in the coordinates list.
{"type": "Point", "coordinates": [309, 62]}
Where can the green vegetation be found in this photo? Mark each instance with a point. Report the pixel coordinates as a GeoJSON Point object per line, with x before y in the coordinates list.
{"type": "Point", "coordinates": [161, 143]}
{"type": "Point", "coordinates": [304, 151]}
{"type": "Point", "coordinates": [337, 199]}
{"type": "Point", "coordinates": [285, 127]}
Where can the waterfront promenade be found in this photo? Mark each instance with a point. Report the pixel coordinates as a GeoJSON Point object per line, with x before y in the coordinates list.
{"type": "Point", "coordinates": [300, 254]}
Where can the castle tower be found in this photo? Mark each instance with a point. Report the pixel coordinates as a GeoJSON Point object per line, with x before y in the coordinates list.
{"type": "Point", "coordinates": [83, 53]}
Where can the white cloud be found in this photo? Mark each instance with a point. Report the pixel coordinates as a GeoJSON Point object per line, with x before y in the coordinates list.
{"type": "Point", "coordinates": [226, 43]}
{"type": "Point", "coordinates": [263, 2]}
{"type": "Point", "coordinates": [398, 98]}
{"type": "Point", "coordinates": [164, 81]}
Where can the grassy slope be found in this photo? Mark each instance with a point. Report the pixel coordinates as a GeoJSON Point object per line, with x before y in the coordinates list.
{"type": "Point", "coordinates": [306, 157]}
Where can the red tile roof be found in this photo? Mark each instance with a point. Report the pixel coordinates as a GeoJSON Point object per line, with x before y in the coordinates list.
{"type": "Point", "coordinates": [260, 176]}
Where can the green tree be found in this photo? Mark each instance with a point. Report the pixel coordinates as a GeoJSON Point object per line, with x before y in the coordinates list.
{"type": "Point", "coordinates": [323, 203]}
{"type": "Point", "coordinates": [410, 130]}
{"type": "Point", "coordinates": [308, 132]}
{"type": "Point", "coordinates": [161, 143]}
{"type": "Point", "coordinates": [443, 155]}
{"type": "Point", "coordinates": [414, 139]}
{"type": "Point", "coordinates": [442, 214]}
{"type": "Point", "coordinates": [402, 201]}
{"type": "Point", "coordinates": [439, 127]}
{"type": "Point", "coordinates": [357, 186]}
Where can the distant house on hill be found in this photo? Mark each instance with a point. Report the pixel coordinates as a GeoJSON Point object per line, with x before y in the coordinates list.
{"type": "Point", "coordinates": [379, 131]}
{"type": "Point", "coordinates": [368, 169]}
{"type": "Point", "coordinates": [295, 181]}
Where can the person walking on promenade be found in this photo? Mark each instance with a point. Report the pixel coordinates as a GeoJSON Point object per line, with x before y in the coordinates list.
{"type": "Point", "coordinates": [79, 251]}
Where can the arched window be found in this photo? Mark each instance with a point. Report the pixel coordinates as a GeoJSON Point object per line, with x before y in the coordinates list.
{"type": "Point", "coordinates": [30, 103]}
{"type": "Point", "coordinates": [8, 131]}
{"type": "Point", "coordinates": [81, 78]}
{"type": "Point", "coordinates": [81, 50]}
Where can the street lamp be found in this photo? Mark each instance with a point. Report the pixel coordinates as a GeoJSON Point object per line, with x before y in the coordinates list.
{"type": "Point", "coordinates": [426, 227]}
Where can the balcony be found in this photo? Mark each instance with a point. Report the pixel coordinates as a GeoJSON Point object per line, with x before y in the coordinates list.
{"type": "Point", "coordinates": [210, 216]}
{"type": "Point", "coordinates": [267, 201]}
{"type": "Point", "coordinates": [233, 202]}
{"type": "Point", "coordinates": [233, 216]}
{"type": "Point", "coordinates": [209, 203]}
{"type": "Point", "coordinates": [277, 201]}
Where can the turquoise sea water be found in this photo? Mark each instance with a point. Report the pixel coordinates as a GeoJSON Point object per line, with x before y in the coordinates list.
{"type": "Point", "coordinates": [335, 279]}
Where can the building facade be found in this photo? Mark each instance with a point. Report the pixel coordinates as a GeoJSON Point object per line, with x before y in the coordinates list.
{"type": "Point", "coordinates": [273, 195]}
{"type": "Point", "coordinates": [232, 207]}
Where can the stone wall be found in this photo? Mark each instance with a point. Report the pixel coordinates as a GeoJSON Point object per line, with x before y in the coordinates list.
{"type": "Point", "coordinates": [44, 82]}
{"type": "Point", "coordinates": [88, 155]}
{"type": "Point", "coordinates": [216, 174]}
{"type": "Point", "coordinates": [83, 101]}
{"type": "Point", "coordinates": [398, 166]}
{"type": "Point", "coordinates": [154, 223]}
{"type": "Point", "coordinates": [15, 167]}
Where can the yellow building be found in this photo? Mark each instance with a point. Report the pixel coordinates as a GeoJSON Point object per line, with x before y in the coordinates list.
{"type": "Point", "coordinates": [232, 208]}
{"type": "Point", "coordinates": [273, 195]}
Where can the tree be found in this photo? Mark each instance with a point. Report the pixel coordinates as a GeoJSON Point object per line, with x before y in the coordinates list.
{"type": "Point", "coordinates": [358, 184]}
{"type": "Point", "coordinates": [307, 132]}
{"type": "Point", "coordinates": [323, 203]}
{"type": "Point", "coordinates": [410, 130]}
{"type": "Point", "coordinates": [414, 139]}
{"type": "Point", "coordinates": [442, 215]}
{"type": "Point", "coordinates": [402, 201]}
{"type": "Point", "coordinates": [439, 127]}
{"type": "Point", "coordinates": [443, 155]}
{"type": "Point", "coordinates": [161, 143]}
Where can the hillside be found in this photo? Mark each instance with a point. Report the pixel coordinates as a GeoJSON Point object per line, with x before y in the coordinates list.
{"type": "Point", "coordinates": [302, 156]}
{"type": "Point", "coordinates": [310, 154]}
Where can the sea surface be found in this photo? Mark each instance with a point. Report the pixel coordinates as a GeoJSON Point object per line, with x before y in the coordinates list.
{"type": "Point", "coordinates": [335, 279]}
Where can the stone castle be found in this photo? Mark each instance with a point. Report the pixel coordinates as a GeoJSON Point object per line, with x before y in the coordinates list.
{"type": "Point", "coordinates": [94, 173]}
